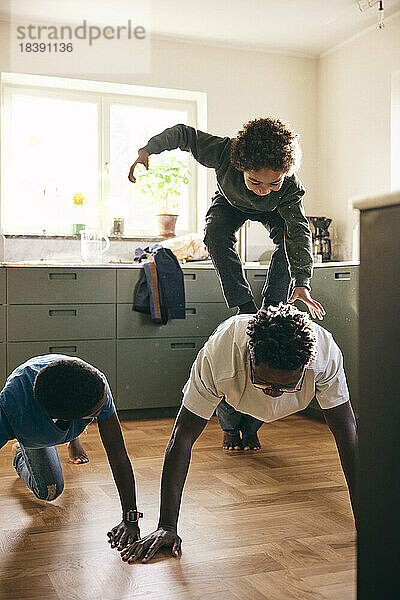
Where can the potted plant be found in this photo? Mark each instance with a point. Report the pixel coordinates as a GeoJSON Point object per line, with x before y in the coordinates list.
{"type": "Point", "coordinates": [163, 182]}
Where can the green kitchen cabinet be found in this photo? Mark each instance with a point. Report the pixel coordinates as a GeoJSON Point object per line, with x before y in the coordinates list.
{"type": "Point", "coordinates": [152, 372]}
{"type": "Point", "coordinates": [3, 365]}
{"type": "Point", "coordinates": [2, 323]}
{"type": "Point", "coordinates": [3, 289]}
{"type": "Point", "coordinates": [201, 284]}
{"type": "Point", "coordinates": [201, 320]}
{"type": "Point", "coordinates": [99, 353]}
{"type": "Point", "coordinates": [61, 322]}
{"type": "Point", "coordinates": [336, 288]}
{"type": "Point", "coordinates": [61, 285]}
{"type": "Point", "coordinates": [256, 279]}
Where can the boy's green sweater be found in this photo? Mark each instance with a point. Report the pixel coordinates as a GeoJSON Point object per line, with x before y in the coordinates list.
{"type": "Point", "coordinates": [214, 152]}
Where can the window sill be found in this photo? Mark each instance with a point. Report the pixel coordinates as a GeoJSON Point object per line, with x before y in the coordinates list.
{"type": "Point", "coordinates": [112, 238]}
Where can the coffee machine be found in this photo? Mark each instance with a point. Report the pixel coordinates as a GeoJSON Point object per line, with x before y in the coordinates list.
{"type": "Point", "coordinates": [320, 235]}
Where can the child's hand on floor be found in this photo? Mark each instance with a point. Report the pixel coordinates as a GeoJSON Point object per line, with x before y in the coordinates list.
{"type": "Point", "coordinates": [316, 309]}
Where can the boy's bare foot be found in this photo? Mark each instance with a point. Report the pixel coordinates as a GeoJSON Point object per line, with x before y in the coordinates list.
{"type": "Point", "coordinates": [251, 442]}
{"type": "Point", "coordinates": [77, 453]}
{"type": "Point", "coordinates": [232, 442]}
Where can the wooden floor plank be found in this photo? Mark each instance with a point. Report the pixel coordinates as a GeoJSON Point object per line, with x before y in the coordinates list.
{"type": "Point", "coordinates": [273, 525]}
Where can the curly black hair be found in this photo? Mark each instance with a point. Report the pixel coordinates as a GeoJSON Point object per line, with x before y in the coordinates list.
{"type": "Point", "coordinates": [68, 389]}
{"type": "Point", "coordinates": [266, 144]}
{"type": "Point", "coordinates": [281, 337]}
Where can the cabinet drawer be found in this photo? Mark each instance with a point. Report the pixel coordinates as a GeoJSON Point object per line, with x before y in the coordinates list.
{"type": "Point", "coordinates": [100, 354]}
{"type": "Point", "coordinates": [152, 373]}
{"type": "Point", "coordinates": [201, 285]}
{"type": "Point", "coordinates": [336, 288]}
{"type": "Point", "coordinates": [201, 320]}
{"type": "Point", "coordinates": [43, 285]}
{"type": "Point", "coordinates": [2, 323]}
{"type": "Point", "coordinates": [2, 285]}
{"type": "Point", "coordinates": [61, 322]}
{"type": "Point", "coordinates": [3, 371]}
{"type": "Point", "coordinates": [256, 279]}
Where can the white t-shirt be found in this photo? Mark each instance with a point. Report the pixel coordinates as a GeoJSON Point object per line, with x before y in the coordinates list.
{"type": "Point", "coordinates": [222, 371]}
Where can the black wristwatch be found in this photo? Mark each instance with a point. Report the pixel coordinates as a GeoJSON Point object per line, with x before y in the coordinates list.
{"type": "Point", "coordinates": [132, 516]}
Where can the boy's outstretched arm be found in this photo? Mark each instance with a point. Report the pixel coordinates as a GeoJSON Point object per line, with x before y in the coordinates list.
{"type": "Point", "coordinates": [207, 149]}
{"type": "Point", "coordinates": [111, 435]}
{"type": "Point", "coordinates": [343, 425]}
{"type": "Point", "coordinates": [187, 429]}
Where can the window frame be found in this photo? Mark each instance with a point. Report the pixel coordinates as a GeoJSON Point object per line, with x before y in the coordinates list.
{"type": "Point", "coordinates": [104, 94]}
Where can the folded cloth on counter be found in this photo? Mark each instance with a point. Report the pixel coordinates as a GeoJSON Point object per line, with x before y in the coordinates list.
{"type": "Point", "coordinates": [187, 247]}
{"type": "Point", "coordinates": [161, 290]}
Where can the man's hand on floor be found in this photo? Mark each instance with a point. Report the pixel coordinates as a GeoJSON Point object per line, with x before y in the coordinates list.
{"type": "Point", "coordinates": [123, 534]}
{"type": "Point", "coordinates": [147, 547]}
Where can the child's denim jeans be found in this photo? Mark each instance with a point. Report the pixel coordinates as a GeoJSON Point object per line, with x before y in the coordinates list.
{"type": "Point", "coordinates": [41, 470]}
{"type": "Point", "coordinates": [232, 421]}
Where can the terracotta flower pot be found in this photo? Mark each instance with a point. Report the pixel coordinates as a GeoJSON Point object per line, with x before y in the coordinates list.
{"type": "Point", "coordinates": [166, 225]}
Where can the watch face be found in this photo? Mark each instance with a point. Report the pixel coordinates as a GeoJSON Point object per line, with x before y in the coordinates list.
{"type": "Point", "coordinates": [132, 516]}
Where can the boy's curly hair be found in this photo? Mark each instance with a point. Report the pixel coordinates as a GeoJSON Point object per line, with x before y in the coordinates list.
{"type": "Point", "coordinates": [266, 144]}
{"type": "Point", "coordinates": [281, 337]}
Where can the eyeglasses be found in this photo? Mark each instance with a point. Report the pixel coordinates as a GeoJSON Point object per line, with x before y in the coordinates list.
{"type": "Point", "coordinates": [277, 388]}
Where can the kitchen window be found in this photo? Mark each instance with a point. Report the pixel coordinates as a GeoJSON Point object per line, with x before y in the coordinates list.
{"type": "Point", "coordinates": [68, 144]}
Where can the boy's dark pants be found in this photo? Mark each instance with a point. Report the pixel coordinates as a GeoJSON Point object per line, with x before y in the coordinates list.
{"type": "Point", "coordinates": [222, 222]}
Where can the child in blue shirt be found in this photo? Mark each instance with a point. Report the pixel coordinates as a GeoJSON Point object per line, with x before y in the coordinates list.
{"type": "Point", "coordinates": [50, 400]}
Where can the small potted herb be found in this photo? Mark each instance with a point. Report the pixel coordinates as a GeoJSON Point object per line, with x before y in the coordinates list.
{"type": "Point", "coordinates": [163, 182]}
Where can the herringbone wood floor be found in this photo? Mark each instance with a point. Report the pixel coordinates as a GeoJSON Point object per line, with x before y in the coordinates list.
{"type": "Point", "coordinates": [273, 525]}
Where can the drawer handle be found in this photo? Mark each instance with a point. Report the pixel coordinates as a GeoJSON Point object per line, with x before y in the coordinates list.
{"type": "Point", "coordinates": [345, 276]}
{"type": "Point", "coordinates": [189, 276]}
{"type": "Point", "coordinates": [176, 345]}
{"type": "Point", "coordinates": [258, 276]}
{"type": "Point", "coordinates": [63, 276]}
{"type": "Point", "coordinates": [62, 313]}
{"type": "Point", "coordinates": [62, 349]}
{"type": "Point", "coordinates": [190, 311]}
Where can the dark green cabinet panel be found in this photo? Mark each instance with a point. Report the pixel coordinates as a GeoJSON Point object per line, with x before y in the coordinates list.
{"type": "Point", "coordinates": [44, 285]}
{"type": "Point", "coordinates": [99, 353]}
{"type": "Point", "coordinates": [152, 373]}
{"type": "Point", "coordinates": [2, 323]}
{"type": "Point", "coordinates": [3, 369]}
{"type": "Point", "coordinates": [337, 290]}
{"type": "Point", "coordinates": [256, 279]}
{"type": "Point", "coordinates": [201, 320]}
{"type": "Point", "coordinates": [127, 280]}
{"type": "Point", "coordinates": [201, 285]}
{"type": "Point", "coordinates": [2, 285]}
{"type": "Point", "coordinates": [61, 322]}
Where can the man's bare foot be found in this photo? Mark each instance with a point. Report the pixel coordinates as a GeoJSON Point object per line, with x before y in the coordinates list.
{"type": "Point", "coordinates": [232, 442]}
{"type": "Point", "coordinates": [77, 453]}
{"type": "Point", "coordinates": [251, 442]}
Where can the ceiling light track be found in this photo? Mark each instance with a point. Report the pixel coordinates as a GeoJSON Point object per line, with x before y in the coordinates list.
{"type": "Point", "coordinates": [366, 4]}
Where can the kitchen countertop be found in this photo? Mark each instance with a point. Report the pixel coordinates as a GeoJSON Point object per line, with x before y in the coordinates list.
{"type": "Point", "coordinates": [131, 265]}
{"type": "Point", "coordinates": [377, 201]}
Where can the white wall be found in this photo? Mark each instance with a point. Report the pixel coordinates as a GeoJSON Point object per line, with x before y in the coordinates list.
{"type": "Point", "coordinates": [240, 85]}
{"type": "Point", "coordinates": [354, 122]}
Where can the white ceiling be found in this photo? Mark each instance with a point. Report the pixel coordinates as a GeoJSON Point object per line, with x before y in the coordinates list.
{"type": "Point", "coordinates": [307, 27]}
